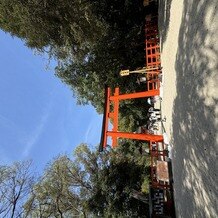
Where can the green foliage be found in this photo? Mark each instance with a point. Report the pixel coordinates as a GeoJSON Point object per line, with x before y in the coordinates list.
{"type": "Point", "coordinates": [121, 47]}
{"type": "Point", "coordinates": [122, 171]}
{"type": "Point", "coordinates": [65, 28]}
{"type": "Point", "coordinates": [93, 184]}
{"type": "Point", "coordinates": [133, 113]}
{"type": "Point", "coordinates": [15, 184]}
{"type": "Point", "coordinates": [145, 185]}
{"type": "Point", "coordinates": [60, 191]}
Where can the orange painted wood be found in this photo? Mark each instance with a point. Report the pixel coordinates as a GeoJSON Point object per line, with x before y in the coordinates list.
{"type": "Point", "coordinates": [137, 136]}
{"type": "Point", "coordinates": [116, 116]}
{"type": "Point", "coordinates": [135, 95]}
{"type": "Point", "coordinates": [107, 115]}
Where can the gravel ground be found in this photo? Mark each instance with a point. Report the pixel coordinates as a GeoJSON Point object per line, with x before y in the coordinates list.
{"type": "Point", "coordinates": [189, 47]}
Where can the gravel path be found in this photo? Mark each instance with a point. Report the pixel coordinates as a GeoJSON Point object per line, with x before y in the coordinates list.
{"type": "Point", "coordinates": [189, 46]}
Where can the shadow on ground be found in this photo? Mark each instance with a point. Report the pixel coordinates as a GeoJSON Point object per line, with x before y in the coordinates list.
{"type": "Point", "coordinates": [164, 19]}
{"type": "Point", "coordinates": [195, 118]}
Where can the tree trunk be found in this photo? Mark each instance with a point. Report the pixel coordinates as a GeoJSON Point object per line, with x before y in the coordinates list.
{"type": "Point", "coordinates": [59, 210]}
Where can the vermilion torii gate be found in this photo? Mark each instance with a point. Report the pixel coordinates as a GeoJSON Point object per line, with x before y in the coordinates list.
{"type": "Point", "coordinates": [108, 114]}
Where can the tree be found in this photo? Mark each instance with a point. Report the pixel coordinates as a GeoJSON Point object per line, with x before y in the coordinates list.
{"type": "Point", "coordinates": [64, 28]}
{"type": "Point", "coordinates": [121, 47]}
{"type": "Point", "coordinates": [54, 194]}
{"type": "Point", "coordinates": [91, 40]}
{"type": "Point", "coordinates": [93, 184]}
{"type": "Point", "coordinates": [15, 184]}
{"type": "Point", "coordinates": [117, 183]}
{"type": "Point", "coordinates": [3, 201]}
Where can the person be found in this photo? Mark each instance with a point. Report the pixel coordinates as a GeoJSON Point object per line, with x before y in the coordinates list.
{"type": "Point", "coordinates": [155, 127]}
{"type": "Point", "coordinates": [155, 115]}
{"type": "Point", "coordinates": [157, 119]}
{"type": "Point", "coordinates": [154, 99]}
{"type": "Point", "coordinates": [154, 118]}
{"type": "Point", "coordinates": [152, 109]}
{"type": "Point", "coordinates": [152, 112]}
{"type": "Point", "coordinates": [141, 80]}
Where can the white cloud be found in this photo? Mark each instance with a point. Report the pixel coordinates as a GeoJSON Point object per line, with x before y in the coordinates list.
{"type": "Point", "coordinates": [34, 137]}
{"type": "Point", "coordinates": [90, 126]}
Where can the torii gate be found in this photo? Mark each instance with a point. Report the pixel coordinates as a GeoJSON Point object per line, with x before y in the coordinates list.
{"type": "Point", "coordinates": [115, 134]}
{"type": "Point", "coordinates": [152, 70]}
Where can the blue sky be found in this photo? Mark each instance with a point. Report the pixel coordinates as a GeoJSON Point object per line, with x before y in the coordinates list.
{"type": "Point", "coordinates": [39, 118]}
